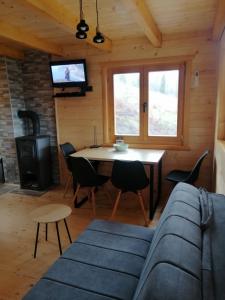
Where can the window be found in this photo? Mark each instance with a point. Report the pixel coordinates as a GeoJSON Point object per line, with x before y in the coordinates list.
{"type": "Point", "coordinates": [163, 103]}
{"type": "Point", "coordinates": [145, 104]}
{"type": "Point", "coordinates": [126, 99]}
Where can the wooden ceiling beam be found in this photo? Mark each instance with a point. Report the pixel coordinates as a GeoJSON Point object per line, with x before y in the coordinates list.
{"type": "Point", "coordinates": [11, 52]}
{"type": "Point", "coordinates": [219, 22]}
{"type": "Point", "coordinates": [145, 19]}
{"type": "Point", "coordinates": [66, 19]}
{"type": "Point", "coordinates": [27, 39]}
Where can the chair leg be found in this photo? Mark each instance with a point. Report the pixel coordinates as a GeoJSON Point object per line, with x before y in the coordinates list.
{"type": "Point", "coordinates": [116, 205]}
{"type": "Point", "coordinates": [93, 200]}
{"type": "Point", "coordinates": [76, 192]}
{"type": "Point", "coordinates": [107, 193]}
{"type": "Point", "coordinates": [89, 195]}
{"type": "Point", "coordinates": [140, 198]}
{"type": "Point", "coordinates": [68, 182]}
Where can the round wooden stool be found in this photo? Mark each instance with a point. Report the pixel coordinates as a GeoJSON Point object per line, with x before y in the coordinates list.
{"type": "Point", "coordinates": [51, 213]}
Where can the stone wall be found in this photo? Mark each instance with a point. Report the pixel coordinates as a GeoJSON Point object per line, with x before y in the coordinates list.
{"type": "Point", "coordinates": [7, 140]}
{"type": "Point", "coordinates": [25, 85]}
{"type": "Point", "coordinates": [38, 98]}
{"type": "Point", "coordinates": [15, 79]}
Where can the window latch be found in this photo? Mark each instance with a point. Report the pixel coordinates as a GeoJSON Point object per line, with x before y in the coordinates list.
{"type": "Point", "coordinates": [145, 105]}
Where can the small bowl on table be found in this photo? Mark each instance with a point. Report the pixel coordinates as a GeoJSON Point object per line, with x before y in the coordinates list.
{"type": "Point", "coordinates": [120, 147]}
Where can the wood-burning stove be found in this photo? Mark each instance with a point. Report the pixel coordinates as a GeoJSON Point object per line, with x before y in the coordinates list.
{"type": "Point", "coordinates": [33, 153]}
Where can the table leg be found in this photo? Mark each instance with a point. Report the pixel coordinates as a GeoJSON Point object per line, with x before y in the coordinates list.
{"type": "Point", "coordinates": [46, 231]}
{"type": "Point", "coordinates": [36, 241]}
{"type": "Point", "coordinates": [67, 229]}
{"type": "Point", "coordinates": [151, 193]}
{"type": "Point", "coordinates": [159, 179]}
{"type": "Point", "coordinates": [155, 200]}
{"type": "Point", "coordinates": [57, 230]}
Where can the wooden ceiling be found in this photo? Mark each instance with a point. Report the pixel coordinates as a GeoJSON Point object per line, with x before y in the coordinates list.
{"type": "Point", "coordinates": [49, 25]}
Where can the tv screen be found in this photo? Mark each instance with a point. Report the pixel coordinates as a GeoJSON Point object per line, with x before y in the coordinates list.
{"type": "Point", "coordinates": [69, 73]}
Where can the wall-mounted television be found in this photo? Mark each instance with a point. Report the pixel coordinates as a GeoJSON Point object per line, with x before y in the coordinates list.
{"type": "Point", "coordinates": [69, 73]}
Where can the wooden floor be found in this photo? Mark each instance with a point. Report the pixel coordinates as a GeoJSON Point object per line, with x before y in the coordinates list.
{"type": "Point", "coordinates": [18, 269]}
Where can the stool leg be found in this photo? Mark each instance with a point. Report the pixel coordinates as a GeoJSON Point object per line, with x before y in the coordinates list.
{"type": "Point", "coordinates": [46, 231]}
{"type": "Point", "coordinates": [57, 229]}
{"type": "Point", "coordinates": [36, 241]}
{"type": "Point", "coordinates": [67, 229]}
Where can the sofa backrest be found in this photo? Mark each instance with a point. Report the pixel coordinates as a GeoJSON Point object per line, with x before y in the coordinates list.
{"type": "Point", "coordinates": [172, 270]}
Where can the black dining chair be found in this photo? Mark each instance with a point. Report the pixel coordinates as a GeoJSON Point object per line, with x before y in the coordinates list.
{"type": "Point", "coordinates": [67, 149]}
{"type": "Point", "coordinates": [129, 176]}
{"type": "Point", "coordinates": [86, 176]}
{"type": "Point", "coordinates": [190, 177]}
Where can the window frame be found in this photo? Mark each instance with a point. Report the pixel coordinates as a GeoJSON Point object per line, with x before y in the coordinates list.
{"type": "Point", "coordinates": [144, 66]}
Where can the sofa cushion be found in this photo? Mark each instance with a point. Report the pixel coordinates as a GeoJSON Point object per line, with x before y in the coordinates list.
{"type": "Point", "coordinates": [105, 262]}
{"type": "Point", "coordinates": [106, 258]}
{"type": "Point", "coordinates": [91, 278]}
{"type": "Point", "coordinates": [175, 253]}
{"type": "Point", "coordinates": [52, 290]}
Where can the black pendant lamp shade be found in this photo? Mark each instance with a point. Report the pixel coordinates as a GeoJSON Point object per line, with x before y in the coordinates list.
{"type": "Point", "coordinates": [81, 35]}
{"type": "Point", "coordinates": [82, 26]}
{"type": "Point", "coordinates": [98, 38]}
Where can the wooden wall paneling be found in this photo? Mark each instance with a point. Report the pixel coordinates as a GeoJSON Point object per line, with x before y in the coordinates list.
{"type": "Point", "coordinates": [219, 152]}
{"type": "Point", "coordinates": [219, 21]}
{"type": "Point", "coordinates": [219, 166]}
{"type": "Point", "coordinates": [201, 106]}
{"type": "Point", "coordinates": [76, 118]}
{"type": "Point", "coordinates": [220, 130]}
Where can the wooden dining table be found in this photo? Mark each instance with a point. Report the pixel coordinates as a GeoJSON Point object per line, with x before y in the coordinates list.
{"type": "Point", "coordinates": [150, 157]}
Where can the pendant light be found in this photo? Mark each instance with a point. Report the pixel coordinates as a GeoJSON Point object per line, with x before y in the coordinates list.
{"type": "Point", "coordinates": [82, 26]}
{"type": "Point", "coordinates": [98, 38]}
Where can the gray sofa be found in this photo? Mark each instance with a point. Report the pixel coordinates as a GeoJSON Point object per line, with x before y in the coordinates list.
{"type": "Point", "coordinates": [183, 258]}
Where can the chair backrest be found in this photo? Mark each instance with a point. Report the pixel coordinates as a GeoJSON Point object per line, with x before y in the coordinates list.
{"type": "Point", "coordinates": [67, 149]}
{"type": "Point", "coordinates": [195, 171]}
{"type": "Point", "coordinates": [129, 175]}
{"type": "Point", "coordinates": [83, 171]}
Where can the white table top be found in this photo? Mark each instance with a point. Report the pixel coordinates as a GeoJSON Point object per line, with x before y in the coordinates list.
{"type": "Point", "coordinates": [148, 156]}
